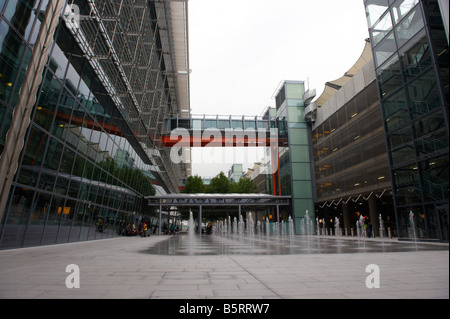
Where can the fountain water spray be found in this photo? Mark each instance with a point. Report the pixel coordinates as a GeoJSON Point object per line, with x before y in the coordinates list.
{"type": "Point", "coordinates": [318, 226]}
{"type": "Point", "coordinates": [250, 225]}
{"type": "Point", "coordinates": [413, 228]}
{"type": "Point", "coordinates": [291, 226]}
{"type": "Point", "coordinates": [381, 228]}
{"type": "Point", "coordinates": [360, 230]}
{"type": "Point", "coordinates": [337, 230]}
{"type": "Point", "coordinates": [191, 228]}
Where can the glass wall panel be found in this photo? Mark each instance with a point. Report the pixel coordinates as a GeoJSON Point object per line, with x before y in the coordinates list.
{"type": "Point", "coordinates": [11, 54]}
{"type": "Point", "coordinates": [223, 124]}
{"type": "Point", "coordinates": [299, 153]}
{"type": "Point", "coordinates": [67, 214]}
{"type": "Point", "coordinates": [20, 206]}
{"type": "Point", "coordinates": [424, 94]}
{"type": "Point", "coordinates": [55, 212]}
{"type": "Point", "coordinates": [374, 10]}
{"type": "Point", "coordinates": [237, 124]}
{"type": "Point", "coordinates": [389, 76]}
{"type": "Point", "coordinates": [416, 56]}
{"type": "Point", "coordinates": [384, 50]}
{"type": "Point", "coordinates": [296, 114]}
{"type": "Point", "coordinates": [301, 171]}
{"type": "Point", "coordinates": [431, 135]}
{"type": "Point", "coordinates": [250, 124]}
{"type": "Point", "coordinates": [32, 157]}
{"type": "Point", "coordinates": [401, 145]}
{"type": "Point", "coordinates": [295, 91]}
{"type": "Point", "coordinates": [395, 111]}
{"type": "Point", "coordinates": [298, 136]}
{"type": "Point", "coordinates": [401, 8]}
{"type": "Point", "coordinates": [407, 185]}
{"type": "Point", "coordinates": [381, 28]}
{"type": "Point", "coordinates": [435, 175]}
{"type": "Point", "coordinates": [5, 122]}
{"type": "Point", "coordinates": [19, 13]}
{"type": "Point", "coordinates": [411, 25]}
{"type": "Point", "coordinates": [302, 189]}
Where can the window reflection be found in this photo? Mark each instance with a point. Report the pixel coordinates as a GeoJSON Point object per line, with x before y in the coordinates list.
{"type": "Point", "coordinates": [409, 27]}
{"type": "Point", "coordinates": [401, 8]}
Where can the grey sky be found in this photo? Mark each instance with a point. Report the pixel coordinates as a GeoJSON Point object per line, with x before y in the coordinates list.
{"type": "Point", "coordinates": [240, 50]}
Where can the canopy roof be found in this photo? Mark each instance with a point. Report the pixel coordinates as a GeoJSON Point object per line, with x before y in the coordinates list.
{"type": "Point", "coordinates": [333, 86]}
{"type": "Point", "coordinates": [218, 200]}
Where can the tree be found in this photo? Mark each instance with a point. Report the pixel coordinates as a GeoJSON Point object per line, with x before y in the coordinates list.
{"type": "Point", "coordinates": [194, 184]}
{"type": "Point", "coordinates": [219, 184]}
{"type": "Point", "coordinates": [244, 186]}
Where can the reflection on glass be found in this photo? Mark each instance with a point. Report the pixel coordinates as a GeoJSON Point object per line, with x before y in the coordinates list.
{"type": "Point", "coordinates": [381, 28]}
{"type": "Point", "coordinates": [409, 27]}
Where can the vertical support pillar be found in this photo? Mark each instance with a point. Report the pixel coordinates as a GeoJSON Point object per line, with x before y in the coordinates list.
{"type": "Point", "coordinates": [347, 218]}
{"type": "Point", "coordinates": [278, 217]}
{"type": "Point", "coordinates": [160, 218]}
{"type": "Point", "coordinates": [373, 215]}
{"type": "Point", "coordinates": [200, 220]}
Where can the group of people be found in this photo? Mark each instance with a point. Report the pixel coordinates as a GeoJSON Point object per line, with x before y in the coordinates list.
{"type": "Point", "coordinates": [171, 229]}
{"type": "Point", "coordinates": [143, 230]}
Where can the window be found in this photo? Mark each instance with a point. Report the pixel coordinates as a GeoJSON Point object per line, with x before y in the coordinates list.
{"type": "Point", "coordinates": [374, 10]}
{"type": "Point", "coordinates": [384, 50]}
{"type": "Point", "coordinates": [401, 8]}
{"type": "Point", "coordinates": [381, 28]}
{"type": "Point", "coordinates": [412, 24]}
{"type": "Point", "coordinates": [389, 76]}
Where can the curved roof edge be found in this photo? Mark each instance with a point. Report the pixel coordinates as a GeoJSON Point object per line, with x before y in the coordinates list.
{"type": "Point", "coordinates": [333, 86]}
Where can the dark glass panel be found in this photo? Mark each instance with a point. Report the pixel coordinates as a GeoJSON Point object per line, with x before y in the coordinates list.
{"type": "Point", "coordinates": [389, 76]}
{"type": "Point", "coordinates": [402, 146]}
{"type": "Point", "coordinates": [406, 184]}
{"type": "Point", "coordinates": [17, 217]}
{"type": "Point", "coordinates": [32, 157]}
{"type": "Point", "coordinates": [424, 94]}
{"type": "Point", "coordinates": [38, 218]}
{"type": "Point", "coordinates": [395, 111]}
{"type": "Point", "coordinates": [12, 50]}
{"type": "Point", "coordinates": [53, 220]}
{"type": "Point", "coordinates": [431, 136]}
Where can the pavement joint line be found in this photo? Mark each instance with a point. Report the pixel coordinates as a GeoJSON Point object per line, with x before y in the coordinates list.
{"type": "Point", "coordinates": [246, 270]}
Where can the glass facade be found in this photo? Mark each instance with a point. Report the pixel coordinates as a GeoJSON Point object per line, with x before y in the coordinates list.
{"type": "Point", "coordinates": [86, 156]}
{"type": "Point", "coordinates": [294, 176]}
{"type": "Point", "coordinates": [411, 62]}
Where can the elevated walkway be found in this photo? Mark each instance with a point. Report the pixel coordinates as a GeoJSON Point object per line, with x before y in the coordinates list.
{"type": "Point", "coordinates": [222, 131]}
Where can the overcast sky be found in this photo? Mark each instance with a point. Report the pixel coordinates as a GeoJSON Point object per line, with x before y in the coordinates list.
{"type": "Point", "coordinates": [240, 50]}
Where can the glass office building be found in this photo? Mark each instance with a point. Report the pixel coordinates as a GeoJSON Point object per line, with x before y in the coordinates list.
{"type": "Point", "coordinates": [410, 48]}
{"type": "Point", "coordinates": [294, 175]}
{"type": "Point", "coordinates": [91, 152]}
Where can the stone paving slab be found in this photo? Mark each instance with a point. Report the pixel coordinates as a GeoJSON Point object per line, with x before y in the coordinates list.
{"type": "Point", "coordinates": [118, 269]}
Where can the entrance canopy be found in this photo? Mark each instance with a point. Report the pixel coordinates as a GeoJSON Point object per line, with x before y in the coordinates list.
{"type": "Point", "coordinates": [218, 200]}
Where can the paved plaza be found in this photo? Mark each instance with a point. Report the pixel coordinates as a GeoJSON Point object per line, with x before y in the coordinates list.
{"type": "Point", "coordinates": [161, 267]}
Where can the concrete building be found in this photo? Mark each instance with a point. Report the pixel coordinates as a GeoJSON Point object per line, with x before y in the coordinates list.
{"type": "Point", "coordinates": [350, 159]}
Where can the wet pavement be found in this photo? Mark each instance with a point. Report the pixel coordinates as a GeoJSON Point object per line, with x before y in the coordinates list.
{"type": "Point", "coordinates": [226, 267]}
{"type": "Point", "coordinates": [235, 244]}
